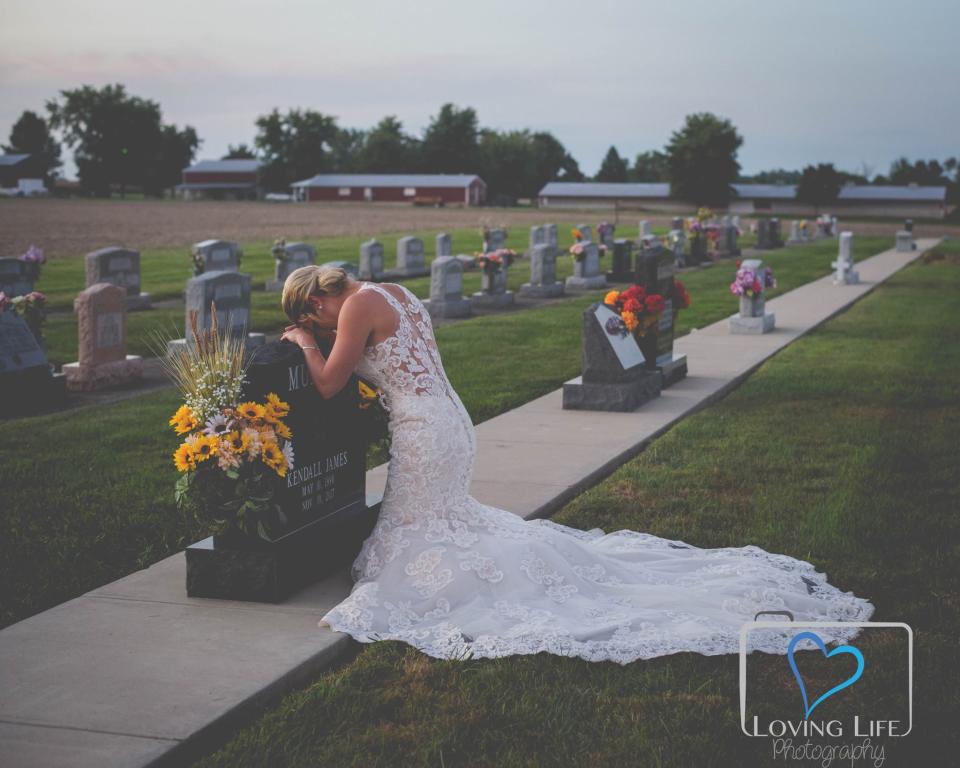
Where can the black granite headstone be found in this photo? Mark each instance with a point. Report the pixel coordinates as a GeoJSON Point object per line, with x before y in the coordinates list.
{"type": "Point", "coordinates": [323, 496]}
{"type": "Point", "coordinates": [621, 267]}
{"type": "Point", "coordinates": [656, 270]}
{"type": "Point", "coordinates": [27, 385]}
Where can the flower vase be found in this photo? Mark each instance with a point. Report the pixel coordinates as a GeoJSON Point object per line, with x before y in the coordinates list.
{"type": "Point", "coordinates": [648, 345]}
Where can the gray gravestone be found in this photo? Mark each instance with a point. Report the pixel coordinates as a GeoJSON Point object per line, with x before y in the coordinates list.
{"type": "Point", "coordinates": [371, 260]}
{"type": "Point", "coordinates": [764, 235]}
{"type": "Point", "coordinates": [120, 267]}
{"type": "Point", "coordinates": [347, 266]}
{"type": "Point", "coordinates": [493, 288]}
{"type": "Point", "coordinates": [905, 241]}
{"type": "Point", "coordinates": [656, 270]}
{"type": "Point", "coordinates": [587, 232]}
{"type": "Point", "coordinates": [217, 255]}
{"type": "Point", "coordinates": [410, 258]}
{"type": "Point", "coordinates": [496, 238]}
{"type": "Point", "coordinates": [230, 294]}
{"type": "Point", "coordinates": [295, 255]}
{"type": "Point", "coordinates": [551, 235]}
{"type": "Point", "coordinates": [615, 375]}
{"type": "Point", "coordinates": [753, 317]}
{"type": "Point", "coordinates": [795, 233]}
{"type": "Point", "coordinates": [26, 383]}
{"type": "Point", "coordinates": [586, 271]}
{"type": "Point", "coordinates": [645, 229]}
{"type": "Point", "coordinates": [538, 236]}
{"type": "Point", "coordinates": [606, 235]}
{"type": "Point", "coordinates": [678, 243]}
{"type": "Point", "coordinates": [444, 245]}
{"type": "Point", "coordinates": [446, 289]}
{"type": "Point", "coordinates": [621, 268]}
{"type": "Point", "coordinates": [543, 273]}
{"type": "Point", "coordinates": [844, 272]}
{"type": "Point", "coordinates": [15, 277]}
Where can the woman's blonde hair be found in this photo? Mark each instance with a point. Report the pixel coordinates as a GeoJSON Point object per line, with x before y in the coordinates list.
{"type": "Point", "coordinates": [311, 280]}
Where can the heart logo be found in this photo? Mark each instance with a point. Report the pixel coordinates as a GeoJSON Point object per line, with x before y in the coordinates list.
{"type": "Point", "coordinates": [818, 641]}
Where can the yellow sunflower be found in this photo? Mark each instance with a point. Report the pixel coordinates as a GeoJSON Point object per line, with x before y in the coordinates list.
{"type": "Point", "coordinates": [282, 430]}
{"type": "Point", "coordinates": [273, 457]}
{"type": "Point", "coordinates": [184, 420]}
{"type": "Point", "coordinates": [183, 457]}
{"type": "Point", "coordinates": [205, 447]}
{"type": "Point", "coordinates": [251, 411]}
{"type": "Point", "coordinates": [278, 406]}
{"type": "Point", "coordinates": [238, 442]}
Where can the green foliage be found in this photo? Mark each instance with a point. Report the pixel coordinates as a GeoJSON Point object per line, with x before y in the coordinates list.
{"type": "Point", "coordinates": [613, 168]}
{"type": "Point", "coordinates": [31, 135]}
{"type": "Point", "coordinates": [653, 166]}
{"type": "Point", "coordinates": [120, 140]}
{"type": "Point", "coordinates": [703, 159]}
{"type": "Point", "coordinates": [294, 146]}
{"type": "Point", "coordinates": [451, 141]}
{"type": "Point", "coordinates": [819, 185]}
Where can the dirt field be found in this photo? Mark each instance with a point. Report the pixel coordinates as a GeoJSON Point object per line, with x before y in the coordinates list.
{"type": "Point", "coordinates": [65, 228]}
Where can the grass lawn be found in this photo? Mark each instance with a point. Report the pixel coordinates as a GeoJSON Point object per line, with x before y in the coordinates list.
{"type": "Point", "coordinates": [840, 450]}
{"type": "Point", "coordinates": [164, 273]}
{"type": "Point", "coordinates": [89, 493]}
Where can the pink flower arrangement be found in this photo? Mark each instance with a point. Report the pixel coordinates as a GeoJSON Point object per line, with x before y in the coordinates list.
{"type": "Point", "coordinates": [578, 251]}
{"type": "Point", "coordinates": [751, 284]}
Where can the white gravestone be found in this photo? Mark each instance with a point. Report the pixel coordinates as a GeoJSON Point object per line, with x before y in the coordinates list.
{"type": "Point", "coordinates": [753, 317]}
{"type": "Point", "coordinates": [446, 289]}
{"type": "Point", "coordinates": [844, 271]}
{"type": "Point", "coordinates": [543, 273]}
{"type": "Point", "coordinates": [296, 255]}
{"type": "Point", "coordinates": [371, 260]}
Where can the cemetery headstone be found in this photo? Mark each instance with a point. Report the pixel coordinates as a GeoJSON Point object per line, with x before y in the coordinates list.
{"type": "Point", "coordinates": [15, 277]}
{"type": "Point", "coordinates": [538, 236]}
{"type": "Point", "coordinates": [586, 270]}
{"type": "Point", "coordinates": [905, 241]}
{"type": "Point", "coordinates": [217, 255]}
{"type": "Point", "coordinates": [795, 234]}
{"type": "Point", "coordinates": [323, 497]}
{"type": "Point", "coordinates": [587, 232]}
{"type": "Point", "coordinates": [676, 222]}
{"type": "Point", "coordinates": [371, 260]}
{"type": "Point", "coordinates": [645, 229]}
{"type": "Point", "coordinates": [444, 244]}
{"type": "Point", "coordinates": [765, 237]}
{"type": "Point", "coordinates": [543, 273]}
{"type": "Point", "coordinates": [908, 225]}
{"type": "Point", "coordinates": [656, 271]}
{"type": "Point", "coordinates": [120, 267]}
{"type": "Point", "coordinates": [294, 256]}
{"type": "Point", "coordinates": [446, 289]}
{"type": "Point", "coordinates": [844, 271]}
{"type": "Point", "coordinates": [347, 266]}
{"type": "Point", "coordinates": [27, 384]}
{"type": "Point", "coordinates": [621, 268]}
{"type": "Point", "coordinates": [551, 233]}
{"type": "Point", "coordinates": [678, 239]}
{"type": "Point", "coordinates": [615, 375]}
{"type": "Point", "coordinates": [102, 326]}
{"type": "Point", "coordinates": [753, 317]}
{"type": "Point", "coordinates": [496, 239]}
{"type": "Point", "coordinates": [729, 237]}
{"type": "Point", "coordinates": [410, 258]}
{"type": "Point", "coordinates": [493, 289]}
{"type": "Point", "coordinates": [229, 292]}
{"type": "Point", "coordinates": [606, 235]}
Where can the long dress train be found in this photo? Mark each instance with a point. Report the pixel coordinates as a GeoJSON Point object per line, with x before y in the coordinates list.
{"type": "Point", "coordinates": [457, 578]}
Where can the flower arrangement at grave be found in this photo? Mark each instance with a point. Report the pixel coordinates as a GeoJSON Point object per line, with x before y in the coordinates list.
{"type": "Point", "coordinates": [681, 299]}
{"type": "Point", "coordinates": [198, 265]}
{"type": "Point", "coordinates": [485, 232]}
{"type": "Point", "coordinates": [497, 260]}
{"type": "Point", "coordinates": [373, 413]}
{"type": "Point", "coordinates": [279, 250]}
{"type": "Point", "coordinates": [576, 234]}
{"type": "Point", "coordinates": [751, 284]}
{"type": "Point", "coordinates": [638, 310]}
{"type": "Point", "coordinates": [233, 450]}
{"type": "Point", "coordinates": [33, 257]}
{"type": "Point", "coordinates": [604, 228]}
{"type": "Point", "coordinates": [32, 307]}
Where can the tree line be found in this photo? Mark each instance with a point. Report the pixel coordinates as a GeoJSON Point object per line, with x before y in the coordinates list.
{"type": "Point", "coordinates": [120, 141]}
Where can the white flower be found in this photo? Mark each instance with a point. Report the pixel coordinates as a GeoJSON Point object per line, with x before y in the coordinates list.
{"type": "Point", "coordinates": [287, 452]}
{"type": "Point", "coordinates": [218, 425]}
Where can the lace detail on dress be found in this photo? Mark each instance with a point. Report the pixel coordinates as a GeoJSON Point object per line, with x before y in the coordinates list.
{"type": "Point", "coordinates": [457, 578]}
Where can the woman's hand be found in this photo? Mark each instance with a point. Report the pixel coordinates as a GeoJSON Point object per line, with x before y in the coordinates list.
{"type": "Point", "coordinates": [299, 335]}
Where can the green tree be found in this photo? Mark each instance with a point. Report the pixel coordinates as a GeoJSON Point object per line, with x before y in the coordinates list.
{"type": "Point", "coordinates": [387, 149]}
{"type": "Point", "coordinates": [239, 152]}
{"type": "Point", "coordinates": [451, 141]}
{"type": "Point", "coordinates": [650, 166]}
{"type": "Point", "coordinates": [613, 168]}
{"type": "Point", "coordinates": [31, 135]}
{"type": "Point", "coordinates": [120, 140]}
{"type": "Point", "coordinates": [295, 146]}
{"type": "Point", "coordinates": [517, 164]}
{"type": "Point", "coordinates": [703, 159]}
{"type": "Point", "coordinates": [774, 176]}
{"type": "Point", "coordinates": [819, 185]}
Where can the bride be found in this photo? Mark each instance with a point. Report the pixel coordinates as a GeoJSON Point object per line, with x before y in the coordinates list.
{"type": "Point", "coordinates": [457, 578]}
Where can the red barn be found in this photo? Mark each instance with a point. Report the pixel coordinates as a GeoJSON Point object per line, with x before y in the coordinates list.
{"type": "Point", "coordinates": [221, 180]}
{"type": "Point", "coordinates": [425, 188]}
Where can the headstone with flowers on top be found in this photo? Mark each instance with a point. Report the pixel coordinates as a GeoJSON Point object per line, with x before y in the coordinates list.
{"type": "Point", "coordinates": [615, 373]}
{"type": "Point", "coordinates": [216, 256]}
{"type": "Point", "coordinates": [288, 257]}
{"type": "Point", "coordinates": [844, 271]}
{"type": "Point", "coordinates": [586, 263]}
{"type": "Point", "coordinates": [15, 278]}
{"type": "Point", "coordinates": [121, 267]}
{"type": "Point", "coordinates": [494, 239]}
{"type": "Point", "coordinates": [494, 266]}
{"type": "Point", "coordinates": [750, 284]}
{"type": "Point", "coordinates": [605, 232]}
{"type": "Point", "coordinates": [321, 502]}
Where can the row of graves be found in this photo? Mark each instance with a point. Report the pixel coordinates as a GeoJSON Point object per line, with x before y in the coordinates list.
{"type": "Point", "coordinates": [825, 226]}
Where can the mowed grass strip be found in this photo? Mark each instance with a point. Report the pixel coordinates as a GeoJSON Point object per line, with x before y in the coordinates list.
{"type": "Point", "coordinates": [88, 494]}
{"type": "Point", "coordinates": [840, 450]}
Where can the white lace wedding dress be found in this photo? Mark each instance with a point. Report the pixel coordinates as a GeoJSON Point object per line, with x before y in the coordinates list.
{"type": "Point", "coordinates": [457, 578]}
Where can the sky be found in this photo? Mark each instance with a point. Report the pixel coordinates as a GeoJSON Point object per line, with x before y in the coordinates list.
{"type": "Point", "coordinates": [854, 82]}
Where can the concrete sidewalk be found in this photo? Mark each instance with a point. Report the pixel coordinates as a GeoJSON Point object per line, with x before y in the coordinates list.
{"type": "Point", "coordinates": [136, 673]}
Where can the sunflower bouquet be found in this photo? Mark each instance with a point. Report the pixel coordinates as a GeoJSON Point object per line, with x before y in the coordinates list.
{"type": "Point", "coordinates": [640, 311]}
{"type": "Point", "coordinates": [233, 449]}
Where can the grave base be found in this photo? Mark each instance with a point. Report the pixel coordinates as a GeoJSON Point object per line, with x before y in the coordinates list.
{"type": "Point", "coordinates": [482, 299]}
{"type": "Point", "coordinates": [137, 302]}
{"type": "Point", "coordinates": [672, 369]}
{"type": "Point", "coordinates": [752, 325]}
{"type": "Point", "coordinates": [850, 277]}
{"type": "Point", "coordinates": [544, 291]}
{"type": "Point", "coordinates": [86, 378]}
{"type": "Point", "coordinates": [574, 283]}
{"type": "Point", "coordinates": [623, 396]}
{"type": "Point", "coordinates": [267, 572]}
{"type": "Point", "coordinates": [253, 341]}
{"type": "Point", "coordinates": [461, 308]}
